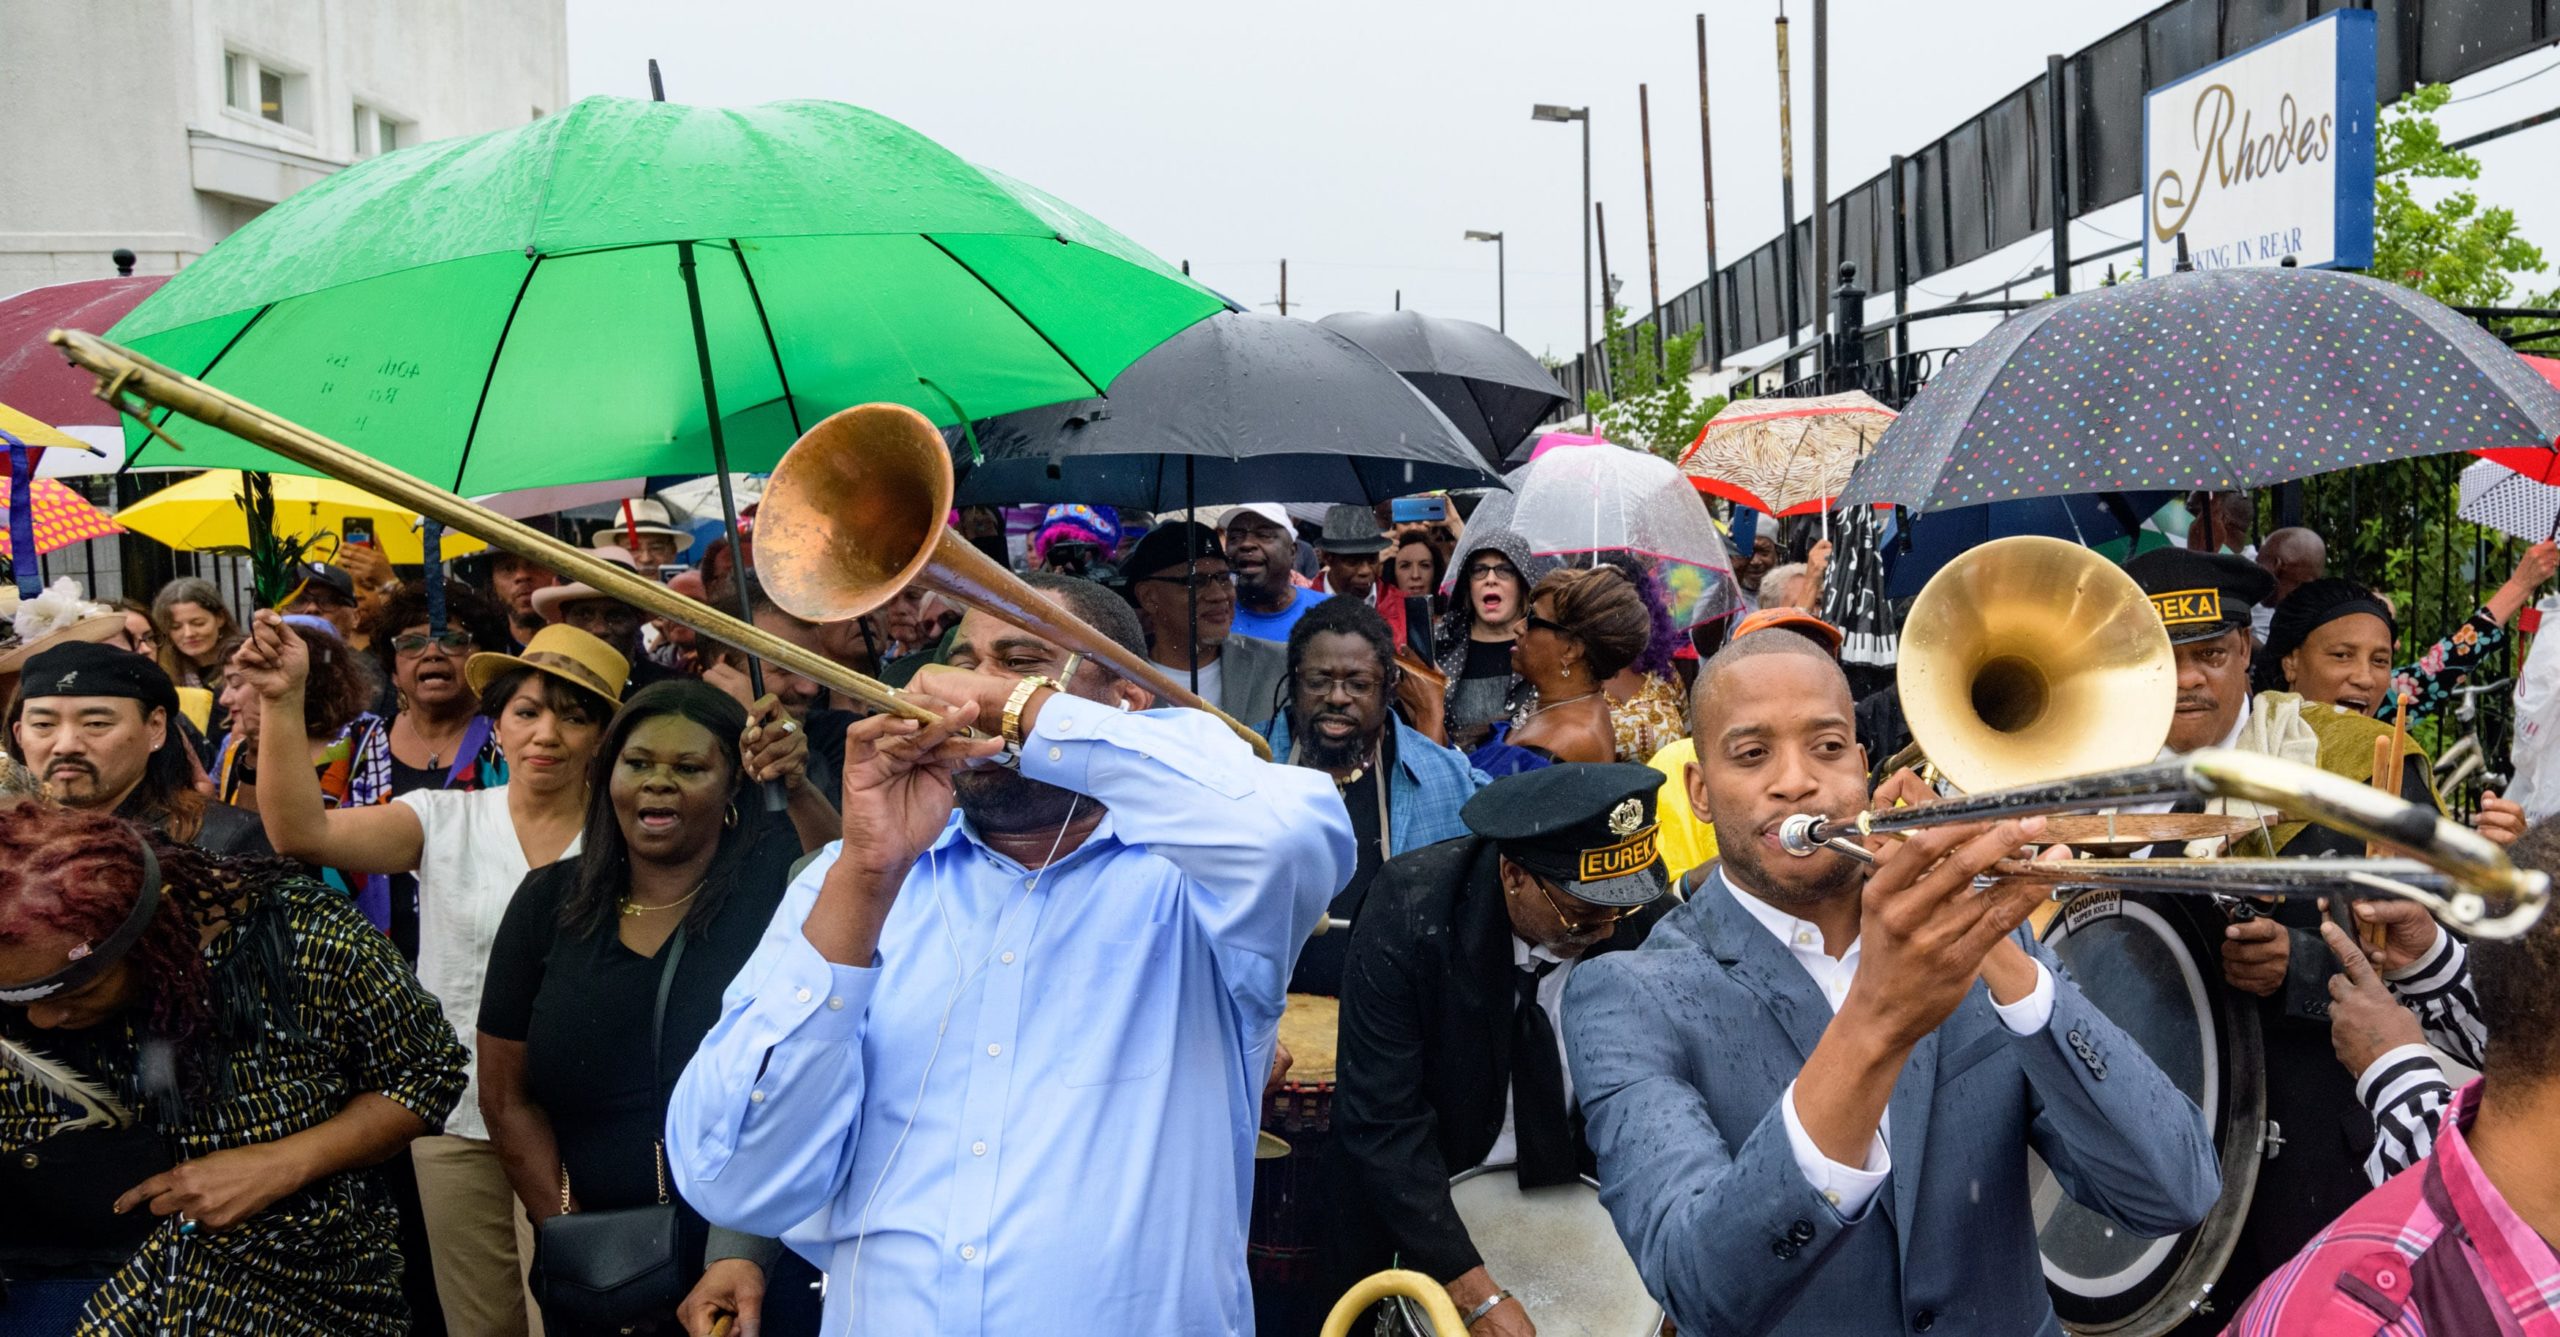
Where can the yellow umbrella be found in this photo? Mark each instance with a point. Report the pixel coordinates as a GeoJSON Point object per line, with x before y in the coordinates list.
{"type": "Point", "coordinates": [32, 433]}
{"type": "Point", "coordinates": [204, 512]}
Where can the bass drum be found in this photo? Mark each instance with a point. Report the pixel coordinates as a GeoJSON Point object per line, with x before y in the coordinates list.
{"type": "Point", "coordinates": [2152, 964]}
{"type": "Point", "coordinates": [1557, 1252]}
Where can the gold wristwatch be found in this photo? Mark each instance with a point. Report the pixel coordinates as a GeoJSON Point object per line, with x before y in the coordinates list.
{"type": "Point", "coordinates": [1022, 697]}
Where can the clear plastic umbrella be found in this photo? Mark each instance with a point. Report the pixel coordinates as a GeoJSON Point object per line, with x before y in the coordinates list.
{"type": "Point", "coordinates": [1603, 498]}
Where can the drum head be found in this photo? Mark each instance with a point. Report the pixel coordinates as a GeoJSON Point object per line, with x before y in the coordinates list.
{"type": "Point", "coordinates": [2152, 964]}
{"type": "Point", "coordinates": [1310, 1027]}
{"type": "Point", "coordinates": [1557, 1252]}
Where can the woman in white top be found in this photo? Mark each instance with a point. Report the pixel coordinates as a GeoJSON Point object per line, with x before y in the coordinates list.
{"type": "Point", "coordinates": [469, 850]}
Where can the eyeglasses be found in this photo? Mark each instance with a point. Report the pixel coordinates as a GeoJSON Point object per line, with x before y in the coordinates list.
{"type": "Point", "coordinates": [1197, 580]}
{"type": "Point", "coordinates": [1321, 685]}
{"type": "Point", "coordinates": [415, 643]}
{"type": "Point", "coordinates": [1576, 924]}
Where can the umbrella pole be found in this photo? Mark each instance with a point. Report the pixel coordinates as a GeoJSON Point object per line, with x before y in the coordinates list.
{"type": "Point", "coordinates": [431, 544]}
{"type": "Point", "coordinates": [22, 519]}
{"type": "Point", "coordinates": [774, 798]}
{"type": "Point", "coordinates": [1190, 572]}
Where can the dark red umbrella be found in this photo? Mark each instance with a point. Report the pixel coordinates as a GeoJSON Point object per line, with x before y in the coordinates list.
{"type": "Point", "coordinates": [2539, 463]}
{"type": "Point", "coordinates": [34, 379]}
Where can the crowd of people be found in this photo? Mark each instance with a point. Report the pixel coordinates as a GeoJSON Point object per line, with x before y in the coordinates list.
{"type": "Point", "coordinates": [472, 952]}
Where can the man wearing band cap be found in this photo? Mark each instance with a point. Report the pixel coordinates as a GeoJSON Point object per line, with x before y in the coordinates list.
{"type": "Point", "coordinates": [1450, 1053]}
{"type": "Point", "coordinates": [1813, 1090]}
{"type": "Point", "coordinates": [997, 1064]}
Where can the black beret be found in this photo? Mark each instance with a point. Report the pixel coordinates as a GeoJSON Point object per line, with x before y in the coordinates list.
{"type": "Point", "coordinates": [2316, 603]}
{"type": "Point", "coordinates": [1588, 828]}
{"type": "Point", "coordinates": [78, 668]}
{"type": "Point", "coordinates": [1170, 545]}
{"type": "Point", "coordinates": [2200, 595]}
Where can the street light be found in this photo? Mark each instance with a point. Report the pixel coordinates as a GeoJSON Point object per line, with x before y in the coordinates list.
{"type": "Point", "coordinates": [1501, 317]}
{"type": "Point", "coordinates": [1548, 111]}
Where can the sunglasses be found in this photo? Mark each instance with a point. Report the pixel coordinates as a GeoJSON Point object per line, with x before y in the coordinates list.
{"type": "Point", "coordinates": [415, 643]}
{"type": "Point", "coordinates": [1201, 580]}
{"type": "Point", "coordinates": [1543, 624]}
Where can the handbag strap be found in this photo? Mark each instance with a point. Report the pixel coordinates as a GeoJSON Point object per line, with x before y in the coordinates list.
{"type": "Point", "coordinates": [668, 958]}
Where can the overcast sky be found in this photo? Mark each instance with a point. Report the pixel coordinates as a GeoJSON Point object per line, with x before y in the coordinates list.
{"type": "Point", "coordinates": [1361, 140]}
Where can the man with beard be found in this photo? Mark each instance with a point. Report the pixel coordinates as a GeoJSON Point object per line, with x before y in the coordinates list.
{"type": "Point", "coordinates": [1403, 791]}
{"type": "Point", "coordinates": [1178, 576]}
{"type": "Point", "coordinates": [512, 581]}
{"type": "Point", "coordinates": [2274, 952]}
{"type": "Point", "coordinates": [1812, 1090]}
{"type": "Point", "coordinates": [98, 726]}
{"type": "Point", "coordinates": [1450, 1015]}
{"type": "Point", "coordinates": [998, 1069]}
{"type": "Point", "coordinates": [1262, 548]}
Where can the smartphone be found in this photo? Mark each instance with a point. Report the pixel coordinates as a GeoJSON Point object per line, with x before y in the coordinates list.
{"type": "Point", "coordinates": [356, 531]}
{"type": "Point", "coordinates": [1420, 510]}
{"type": "Point", "coordinates": [670, 572]}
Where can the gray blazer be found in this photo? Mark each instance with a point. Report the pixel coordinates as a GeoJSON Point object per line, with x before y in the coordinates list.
{"type": "Point", "coordinates": [1680, 1052]}
{"type": "Point", "coordinates": [1251, 688]}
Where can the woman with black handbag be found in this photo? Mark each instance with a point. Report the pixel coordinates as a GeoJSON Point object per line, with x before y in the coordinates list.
{"type": "Point", "coordinates": [679, 874]}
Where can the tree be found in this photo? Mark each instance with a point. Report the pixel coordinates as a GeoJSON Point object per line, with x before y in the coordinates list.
{"type": "Point", "coordinates": [1646, 406]}
{"type": "Point", "coordinates": [2453, 250]}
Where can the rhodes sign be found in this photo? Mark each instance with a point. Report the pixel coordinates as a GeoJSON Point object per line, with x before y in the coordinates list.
{"type": "Point", "coordinates": [2266, 154]}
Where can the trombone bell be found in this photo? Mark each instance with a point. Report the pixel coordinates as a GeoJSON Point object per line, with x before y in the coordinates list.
{"type": "Point", "coordinates": [2030, 658]}
{"type": "Point", "coordinates": [853, 512]}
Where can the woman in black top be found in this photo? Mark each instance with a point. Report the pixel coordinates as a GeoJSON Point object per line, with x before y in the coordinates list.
{"type": "Point", "coordinates": [675, 843]}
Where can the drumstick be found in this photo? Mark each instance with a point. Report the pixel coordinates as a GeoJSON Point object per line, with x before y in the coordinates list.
{"type": "Point", "coordinates": [720, 1326]}
{"type": "Point", "coordinates": [2387, 754]}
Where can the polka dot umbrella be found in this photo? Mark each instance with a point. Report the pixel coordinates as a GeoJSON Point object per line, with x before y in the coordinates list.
{"type": "Point", "coordinates": [2223, 379]}
{"type": "Point", "coordinates": [62, 517]}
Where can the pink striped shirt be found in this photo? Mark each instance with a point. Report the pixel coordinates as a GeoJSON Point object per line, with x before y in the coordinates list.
{"type": "Point", "coordinates": [2435, 1250]}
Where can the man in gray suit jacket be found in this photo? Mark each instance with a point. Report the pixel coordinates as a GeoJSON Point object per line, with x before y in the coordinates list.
{"type": "Point", "coordinates": [1238, 674]}
{"type": "Point", "coordinates": [1812, 1091]}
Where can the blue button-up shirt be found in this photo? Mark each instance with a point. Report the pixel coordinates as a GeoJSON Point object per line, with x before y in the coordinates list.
{"type": "Point", "coordinates": [1035, 1111]}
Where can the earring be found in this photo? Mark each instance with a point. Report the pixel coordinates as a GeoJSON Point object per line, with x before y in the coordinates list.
{"type": "Point", "coordinates": [732, 818]}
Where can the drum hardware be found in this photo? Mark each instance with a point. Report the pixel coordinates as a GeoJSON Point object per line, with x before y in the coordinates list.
{"type": "Point", "coordinates": [2273, 1140]}
{"type": "Point", "coordinates": [853, 514]}
{"type": "Point", "coordinates": [1396, 1283]}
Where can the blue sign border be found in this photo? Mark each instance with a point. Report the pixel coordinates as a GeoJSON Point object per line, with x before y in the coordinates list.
{"type": "Point", "coordinates": [2358, 76]}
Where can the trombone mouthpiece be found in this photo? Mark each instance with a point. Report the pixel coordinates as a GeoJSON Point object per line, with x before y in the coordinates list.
{"type": "Point", "coordinates": [1802, 834]}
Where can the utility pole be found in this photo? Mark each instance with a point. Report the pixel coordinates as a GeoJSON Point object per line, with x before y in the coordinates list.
{"type": "Point", "coordinates": [1652, 252]}
{"type": "Point", "coordinates": [1608, 295]}
{"type": "Point", "coordinates": [1707, 162]}
{"type": "Point", "coordinates": [1822, 275]}
{"type": "Point", "coordinates": [1794, 285]}
{"type": "Point", "coordinates": [2057, 123]}
{"type": "Point", "coordinates": [1548, 111]}
{"type": "Point", "coordinates": [1284, 287]}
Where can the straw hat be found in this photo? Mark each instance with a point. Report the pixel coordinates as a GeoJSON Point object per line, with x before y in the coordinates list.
{"type": "Point", "coordinates": [549, 600]}
{"type": "Point", "coordinates": [648, 516]}
{"type": "Point", "coordinates": [566, 653]}
{"type": "Point", "coordinates": [96, 629]}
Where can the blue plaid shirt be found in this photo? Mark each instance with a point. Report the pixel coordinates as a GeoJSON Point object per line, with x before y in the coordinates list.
{"type": "Point", "coordinates": [1431, 782]}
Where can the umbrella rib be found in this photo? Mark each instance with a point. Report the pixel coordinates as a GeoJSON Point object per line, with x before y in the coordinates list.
{"type": "Point", "coordinates": [134, 456]}
{"type": "Point", "coordinates": [1027, 322]}
{"type": "Point", "coordinates": [789, 403]}
{"type": "Point", "coordinates": [471, 435]}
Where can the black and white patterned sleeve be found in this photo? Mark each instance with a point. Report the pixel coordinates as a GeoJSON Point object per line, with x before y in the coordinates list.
{"type": "Point", "coordinates": [2437, 987]}
{"type": "Point", "coordinates": [2406, 1092]}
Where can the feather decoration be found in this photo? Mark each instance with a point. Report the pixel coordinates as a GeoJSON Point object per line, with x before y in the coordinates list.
{"type": "Point", "coordinates": [275, 559]}
{"type": "Point", "coordinates": [98, 1107]}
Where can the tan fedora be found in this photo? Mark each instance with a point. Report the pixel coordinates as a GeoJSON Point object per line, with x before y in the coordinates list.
{"type": "Point", "coordinates": [566, 653]}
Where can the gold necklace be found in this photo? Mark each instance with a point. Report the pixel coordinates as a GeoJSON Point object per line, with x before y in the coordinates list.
{"type": "Point", "coordinates": [631, 908]}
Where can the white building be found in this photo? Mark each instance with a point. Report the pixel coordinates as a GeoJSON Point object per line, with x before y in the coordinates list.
{"type": "Point", "coordinates": [160, 126]}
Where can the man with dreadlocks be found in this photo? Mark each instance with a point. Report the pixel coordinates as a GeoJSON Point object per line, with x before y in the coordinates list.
{"type": "Point", "coordinates": [258, 1045]}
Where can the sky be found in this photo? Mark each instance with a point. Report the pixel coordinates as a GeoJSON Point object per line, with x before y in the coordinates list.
{"type": "Point", "coordinates": [1361, 141]}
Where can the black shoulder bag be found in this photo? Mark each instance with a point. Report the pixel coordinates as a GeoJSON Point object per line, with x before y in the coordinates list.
{"type": "Point", "coordinates": [618, 1268]}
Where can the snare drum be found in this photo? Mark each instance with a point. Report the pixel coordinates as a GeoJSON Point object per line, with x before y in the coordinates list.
{"type": "Point", "coordinates": [1282, 1250]}
{"type": "Point", "coordinates": [1556, 1251]}
{"type": "Point", "coordinates": [2153, 965]}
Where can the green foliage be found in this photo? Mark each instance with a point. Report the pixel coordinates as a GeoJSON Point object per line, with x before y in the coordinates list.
{"type": "Point", "coordinates": [2454, 250]}
{"type": "Point", "coordinates": [1648, 407]}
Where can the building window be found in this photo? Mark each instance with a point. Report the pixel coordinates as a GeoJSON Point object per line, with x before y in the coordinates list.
{"type": "Point", "coordinates": [254, 88]}
{"type": "Point", "coordinates": [377, 131]}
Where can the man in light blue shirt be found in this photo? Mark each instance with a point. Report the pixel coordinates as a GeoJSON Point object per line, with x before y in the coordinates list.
{"type": "Point", "coordinates": [998, 1071]}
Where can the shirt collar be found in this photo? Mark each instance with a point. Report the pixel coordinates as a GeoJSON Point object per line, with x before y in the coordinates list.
{"type": "Point", "coordinates": [960, 830]}
{"type": "Point", "coordinates": [1786, 928]}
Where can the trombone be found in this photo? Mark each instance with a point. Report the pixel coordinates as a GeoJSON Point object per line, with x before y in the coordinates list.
{"type": "Point", "coordinates": [2028, 656]}
{"type": "Point", "coordinates": [852, 515]}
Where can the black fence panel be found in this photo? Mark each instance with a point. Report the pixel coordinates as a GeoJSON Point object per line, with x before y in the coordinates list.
{"type": "Point", "coordinates": [2012, 142]}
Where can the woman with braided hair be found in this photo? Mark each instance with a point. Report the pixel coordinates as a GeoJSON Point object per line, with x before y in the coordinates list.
{"type": "Point", "coordinates": [242, 1022]}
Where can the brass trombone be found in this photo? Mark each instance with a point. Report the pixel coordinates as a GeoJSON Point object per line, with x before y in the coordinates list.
{"type": "Point", "coordinates": [854, 512]}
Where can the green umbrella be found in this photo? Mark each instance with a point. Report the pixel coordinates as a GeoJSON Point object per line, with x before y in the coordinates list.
{"type": "Point", "coordinates": [518, 310]}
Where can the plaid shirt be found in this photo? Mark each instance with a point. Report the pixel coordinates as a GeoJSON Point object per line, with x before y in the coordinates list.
{"type": "Point", "coordinates": [2435, 1251]}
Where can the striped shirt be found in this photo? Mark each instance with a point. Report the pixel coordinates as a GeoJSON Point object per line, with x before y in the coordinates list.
{"type": "Point", "coordinates": [2437, 1250]}
{"type": "Point", "coordinates": [2405, 1089]}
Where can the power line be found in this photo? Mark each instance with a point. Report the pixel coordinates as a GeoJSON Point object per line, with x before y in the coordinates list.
{"type": "Point", "coordinates": [2555, 65]}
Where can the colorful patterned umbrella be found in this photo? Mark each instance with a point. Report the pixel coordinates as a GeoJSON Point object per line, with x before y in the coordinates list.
{"type": "Point", "coordinates": [1785, 456]}
{"type": "Point", "coordinates": [2219, 380]}
{"type": "Point", "coordinates": [2510, 502]}
{"type": "Point", "coordinates": [2541, 462]}
{"type": "Point", "coordinates": [62, 517]}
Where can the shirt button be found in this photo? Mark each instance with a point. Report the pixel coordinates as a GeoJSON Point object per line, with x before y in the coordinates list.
{"type": "Point", "coordinates": [977, 1148]}
{"type": "Point", "coordinates": [835, 1005]}
{"type": "Point", "coordinates": [1007, 958]}
{"type": "Point", "coordinates": [755, 1097]}
{"type": "Point", "coordinates": [1831, 1196]}
{"type": "Point", "coordinates": [969, 1251]}
{"type": "Point", "coordinates": [800, 994]}
{"type": "Point", "coordinates": [1804, 940]}
{"type": "Point", "coordinates": [993, 1050]}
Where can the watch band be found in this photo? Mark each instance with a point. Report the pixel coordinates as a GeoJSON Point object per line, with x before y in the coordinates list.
{"type": "Point", "coordinates": [1022, 697]}
{"type": "Point", "coordinates": [1491, 1303]}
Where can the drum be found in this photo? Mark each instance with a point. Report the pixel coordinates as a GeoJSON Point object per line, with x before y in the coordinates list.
{"type": "Point", "coordinates": [1557, 1252]}
{"type": "Point", "coordinates": [1283, 1247]}
{"type": "Point", "coordinates": [2153, 965]}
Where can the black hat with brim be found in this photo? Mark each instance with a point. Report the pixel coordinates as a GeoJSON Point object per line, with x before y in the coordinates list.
{"type": "Point", "coordinates": [1587, 828]}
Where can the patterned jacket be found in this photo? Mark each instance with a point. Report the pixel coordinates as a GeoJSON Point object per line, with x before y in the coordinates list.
{"type": "Point", "coordinates": [2436, 1250]}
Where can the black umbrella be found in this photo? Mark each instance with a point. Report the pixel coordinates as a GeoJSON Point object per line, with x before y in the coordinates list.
{"type": "Point", "coordinates": [2222, 380]}
{"type": "Point", "coordinates": [1492, 388]}
{"type": "Point", "coordinates": [1240, 407]}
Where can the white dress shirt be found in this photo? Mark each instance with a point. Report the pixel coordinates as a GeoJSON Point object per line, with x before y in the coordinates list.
{"type": "Point", "coordinates": [1851, 1187]}
{"type": "Point", "coordinates": [1505, 1150]}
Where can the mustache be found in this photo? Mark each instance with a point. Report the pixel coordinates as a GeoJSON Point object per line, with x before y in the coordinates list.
{"type": "Point", "coordinates": [73, 764]}
{"type": "Point", "coordinates": [2196, 701]}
